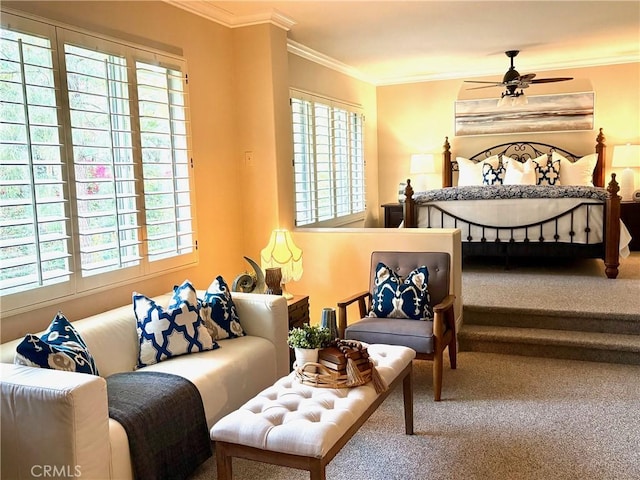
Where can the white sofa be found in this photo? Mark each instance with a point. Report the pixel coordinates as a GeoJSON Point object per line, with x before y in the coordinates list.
{"type": "Point", "coordinates": [58, 422]}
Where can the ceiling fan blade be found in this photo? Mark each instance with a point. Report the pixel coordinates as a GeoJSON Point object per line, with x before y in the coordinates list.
{"type": "Point", "coordinates": [479, 81]}
{"type": "Point", "coordinates": [527, 78]}
{"type": "Point", "coordinates": [486, 86]}
{"type": "Point", "coordinates": [550, 80]}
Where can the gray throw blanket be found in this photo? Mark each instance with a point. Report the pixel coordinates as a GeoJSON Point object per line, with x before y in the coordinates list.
{"type": "Point", "coordinates": [164, 419]}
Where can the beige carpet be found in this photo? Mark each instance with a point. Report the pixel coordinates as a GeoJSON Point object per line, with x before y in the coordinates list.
{"type": "Point", "coordinates": [569, 285]}
{"type": "Point", "coordinates": [502, 417]}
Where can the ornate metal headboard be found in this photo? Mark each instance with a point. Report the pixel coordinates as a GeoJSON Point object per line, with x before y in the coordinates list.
{"type": "Point", "coordinates": [522, 151]}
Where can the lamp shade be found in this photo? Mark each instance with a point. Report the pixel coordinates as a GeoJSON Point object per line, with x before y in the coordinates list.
{"type": "Point", "coordinates": [626, 156]}
{"type": "Point", "coordinates": [422, 163]}
{"type": "Point", "coordinates": [282, 252]}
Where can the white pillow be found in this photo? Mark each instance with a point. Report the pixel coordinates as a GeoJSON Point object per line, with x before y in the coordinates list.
{"type": "Point", "coordinates": [519, 173]}
{"type": "Point", "coordinates": [470, 172]}
{"type": "Point", "coordinates": [579, 172]}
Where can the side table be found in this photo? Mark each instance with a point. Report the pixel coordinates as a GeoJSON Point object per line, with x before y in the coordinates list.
{"type": "Point", "coordinates": [393, 214]}
{"type": "Point", "coordinates": [298, 314]}
{"type": "Point", "coordinates": [630, 216]}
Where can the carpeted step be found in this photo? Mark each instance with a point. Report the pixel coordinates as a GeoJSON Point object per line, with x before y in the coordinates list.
{"type": "Point", "coordinates": [589, 346]}
{"type": "Point", "coordinates": [551, 319]}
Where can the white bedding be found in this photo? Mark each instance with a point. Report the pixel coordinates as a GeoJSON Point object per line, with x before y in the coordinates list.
{"type": "Point", "coordinates": [519, 213]}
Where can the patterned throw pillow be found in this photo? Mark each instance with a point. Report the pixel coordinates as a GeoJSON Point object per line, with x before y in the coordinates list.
{"type": "Point", "coordinates": [219, 312]}
{"type": "Point", "coordinates": [60, 348]}
{"type": "Point", "coordinates": [547, 172]}
{"type": "Point", "coordinates": [491, 175]}
{"type": "Point", "coordinates": [394, 297]}
{"type": "Point", "coordinates": [165, 333]}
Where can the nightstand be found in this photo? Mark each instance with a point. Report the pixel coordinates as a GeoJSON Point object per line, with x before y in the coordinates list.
{"type": "Point", "coordinates": [298, 310]}
{"type": "Point", "coordinates": [630, 216]}
{"type": "Point", "coordinates": [298, 314]}
{"type": "Point", "coordinates": [393, 214]}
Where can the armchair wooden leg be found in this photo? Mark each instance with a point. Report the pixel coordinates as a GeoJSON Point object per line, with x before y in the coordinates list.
{"type": "Point", "coordinates": [437, 375]}
{"type": "Point", "coordinates": [453, 352]}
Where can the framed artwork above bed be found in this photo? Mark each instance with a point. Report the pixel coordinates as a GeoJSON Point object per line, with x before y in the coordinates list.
{"type": "Point", "coordinates": [542, 113]}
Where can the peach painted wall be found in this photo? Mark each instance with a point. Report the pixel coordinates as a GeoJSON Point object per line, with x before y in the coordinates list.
{"type": "Point", "coordinates": [416, 118]}
{"type": "Point", "coordinates": [208, 50]}
{"type": "Point", "coordinates": [336, 262]}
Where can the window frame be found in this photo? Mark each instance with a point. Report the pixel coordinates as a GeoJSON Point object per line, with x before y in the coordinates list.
{"type": "Point", "coordinates": [312, 157]}
{"type": "Point", "coordinates": [77, 285]}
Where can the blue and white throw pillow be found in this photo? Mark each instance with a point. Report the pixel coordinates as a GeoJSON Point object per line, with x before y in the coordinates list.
{"type": "Point", "coordinates": [165, 333]}
{"type": "Point", "coordinates": [60, 348]}
{"type": "Point", "coordinates": [492, 175]}
{"type": "Point", "coordinates": [219, 312]}
{"type": "Point", "coordinates": [547, 172]}
{"type": "Point", "coordinates": [394, 297]}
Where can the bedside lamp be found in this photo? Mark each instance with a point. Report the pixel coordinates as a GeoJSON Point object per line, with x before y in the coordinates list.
{"type": "Point", "coordinates": [421, 165]}
{"type": "Point", "coordinates": [283, 253]}
{"type": "Point", "coordinates": [627, 157]}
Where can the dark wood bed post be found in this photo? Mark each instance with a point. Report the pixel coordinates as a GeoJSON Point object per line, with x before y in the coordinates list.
{"type": "Point", "coordinates": [447, 174]}
{"type": "Point", "coordinates": [612, 233]}
{"type": "Point", "coordinates": [601, 148]}
{"type": "Point", "coordinates": [409, 207]}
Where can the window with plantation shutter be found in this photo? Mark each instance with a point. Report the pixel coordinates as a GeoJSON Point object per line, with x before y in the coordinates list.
{"type": "Point", "coordinates": [34, 221]}
{"type": "Point", "coordinates": [96, 174]}
{"type": "Point", "coordinates": [328, 162]}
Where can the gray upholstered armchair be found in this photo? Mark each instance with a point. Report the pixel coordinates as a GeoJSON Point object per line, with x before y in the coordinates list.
{"type": "Point", "coordinates": [429, 338]}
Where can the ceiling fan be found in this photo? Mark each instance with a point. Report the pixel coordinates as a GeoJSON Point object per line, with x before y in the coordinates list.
{"type": "Point", "coordinates": [513, 81]}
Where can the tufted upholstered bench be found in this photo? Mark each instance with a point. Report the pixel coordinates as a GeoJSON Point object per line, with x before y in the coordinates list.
{"type": "Point", "coordinates": [304, 427]}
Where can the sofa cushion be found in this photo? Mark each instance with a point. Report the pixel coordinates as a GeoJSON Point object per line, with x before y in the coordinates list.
{"type": "Point", "coordinates": [219, 312]}
{"type": "Point", "coordinates": [60, 348]}
{"type": "Point", "coordinates": [394, 297]}
{"type": "Point", "coordinates": [166, 333]}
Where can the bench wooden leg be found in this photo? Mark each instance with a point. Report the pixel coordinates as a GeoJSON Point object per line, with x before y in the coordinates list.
{"type": "Point", "coordinates": [407, 394]}
{"type": "Point", "coordinates": [317, 472]}
{"type": "Point", "coordinates": [223, 462]}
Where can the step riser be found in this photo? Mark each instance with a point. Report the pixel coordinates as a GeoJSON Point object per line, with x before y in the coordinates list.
{"type": "Point", "coordinates": [527, 320]}
{"type": "Point", "coordinates": [548, 351]}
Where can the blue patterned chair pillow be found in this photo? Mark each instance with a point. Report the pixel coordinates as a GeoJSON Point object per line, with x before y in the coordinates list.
{"type": "Point", "coordinates": [492, 175]}
{"type": "Point", "coordinates": [60, 348]}
{"type": "Point", "coordinates": [394, 297]}
{"type": "Point", "coordinates": [547, 172]}
{"type": "Point", "coordinates": [165, 333]}
{"type": "Point", "coordinates": [219, 312]}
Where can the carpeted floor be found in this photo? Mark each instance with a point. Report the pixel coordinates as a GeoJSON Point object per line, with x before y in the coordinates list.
{"type": "Point", "coordinates": [573, 285]}
{"type": "Point", "coordinates": [506, 417]}
{"type": "Point", "coordinates": [502, 417]}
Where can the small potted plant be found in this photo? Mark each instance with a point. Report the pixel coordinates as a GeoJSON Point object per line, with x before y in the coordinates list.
{"type": "Point", "coordinates": [306, 341]}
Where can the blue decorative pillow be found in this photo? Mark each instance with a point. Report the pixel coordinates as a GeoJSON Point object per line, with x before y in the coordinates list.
{"type": "Point", "coordinates": [394, 297]}
{"type": "Point", "coordinates": [491, 175]}
{"type": "Point", "coordinates": [165, 333]}
{"type": "Point", "coordinates": [547, 173]}
{"type": "Point", "coordinates": [219, 312]}
{"type": "Point", "coordinates": [60, 348]}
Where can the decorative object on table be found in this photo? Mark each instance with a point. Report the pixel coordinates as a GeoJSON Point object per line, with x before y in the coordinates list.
{"type": "Point", "coordinates": [627, 157]}
{"type": "Point", "coordinates": [328, 321]}
{"type": "Point", "coordinates": [343, 364]}
{"type": "Point", "coordinates": [422, 164]}
{"type": "Point", "coordinates": [306, 341]}
{"type": "Point", "coordinates": [273, 278]}
{"type": "Point", "coordinates": [250, 282]}
{"type": "Point", "coordinates": [282, 252]}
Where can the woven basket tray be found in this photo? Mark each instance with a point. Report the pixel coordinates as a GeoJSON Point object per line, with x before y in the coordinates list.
{"type": "Point", "coordinates": [324, 377]}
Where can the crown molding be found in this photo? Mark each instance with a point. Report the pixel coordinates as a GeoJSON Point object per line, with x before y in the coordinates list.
{"type": "Point", "coordinates": [326, 61]}
{"type": "Point", "coordinates": [206, 9]}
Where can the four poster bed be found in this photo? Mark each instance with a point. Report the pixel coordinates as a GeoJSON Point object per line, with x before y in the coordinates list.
{"type": "Point", "coordinates": [526, 199]}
